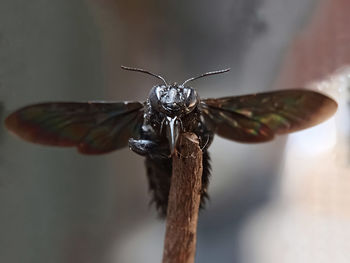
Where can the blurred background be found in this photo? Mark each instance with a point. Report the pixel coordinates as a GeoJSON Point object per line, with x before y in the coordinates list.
{"type": "Point", "coordinates": [283, 201]}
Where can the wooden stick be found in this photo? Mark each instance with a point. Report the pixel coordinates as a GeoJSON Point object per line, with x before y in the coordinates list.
{"type": "Point", "coordinates": [184, 200]}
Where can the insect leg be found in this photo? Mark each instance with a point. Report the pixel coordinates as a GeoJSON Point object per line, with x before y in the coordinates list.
{"type": "Point", "coordinates": [205, 178]}
{"type": "Point", "coordinates": [150, 148]}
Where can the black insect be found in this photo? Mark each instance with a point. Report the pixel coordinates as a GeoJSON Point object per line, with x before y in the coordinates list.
{"type": "Point", "coordinates": [152, 128]}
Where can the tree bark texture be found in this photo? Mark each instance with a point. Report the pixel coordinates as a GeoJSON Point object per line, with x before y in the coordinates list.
{"type": "Point", "coordinates": [184, 200]}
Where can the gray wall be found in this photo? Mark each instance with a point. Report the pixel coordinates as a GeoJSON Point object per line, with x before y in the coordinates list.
{"type": "Point", "coordinates": [59, 206]}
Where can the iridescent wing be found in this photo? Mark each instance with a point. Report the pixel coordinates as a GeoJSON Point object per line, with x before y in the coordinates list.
{"type": "Point", "coordinates": [93, 127]}
{"type": "Point", "coordinates": [257, 117]}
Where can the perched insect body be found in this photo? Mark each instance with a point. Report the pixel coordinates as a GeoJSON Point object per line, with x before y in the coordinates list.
{"type": "Point", "coordinates": [152, 128]}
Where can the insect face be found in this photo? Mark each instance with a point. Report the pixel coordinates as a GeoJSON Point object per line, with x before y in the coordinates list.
{"type": "Point", "coordinates": [174, 100]}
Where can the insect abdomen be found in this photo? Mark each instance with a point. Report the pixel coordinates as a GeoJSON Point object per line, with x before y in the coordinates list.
{"type": "Point", "coordinates": [159, 177]}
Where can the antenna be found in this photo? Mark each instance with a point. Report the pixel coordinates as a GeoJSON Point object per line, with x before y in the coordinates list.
{"type": "Point", "coordinates": [146, 72]}
{"type": "Point", "coordinates": [207, 74]}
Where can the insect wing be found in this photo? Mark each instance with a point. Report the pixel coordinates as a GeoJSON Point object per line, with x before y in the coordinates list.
{"type": "Point", "coordinates": [237, 127]}
{"type": "Point", "coordinates": [280, 111]}
{"type": "Point", "coordinates": [93, 127]}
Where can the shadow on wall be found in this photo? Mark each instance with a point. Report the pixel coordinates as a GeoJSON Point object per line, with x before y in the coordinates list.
{"type": "Point", "coordinates": [1, 118]}
{"type": "Point", "coordinates": [253, 188]}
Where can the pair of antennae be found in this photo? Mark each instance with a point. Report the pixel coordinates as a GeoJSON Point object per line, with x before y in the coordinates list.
{"type": "Point", "coordinates": [210, 73]}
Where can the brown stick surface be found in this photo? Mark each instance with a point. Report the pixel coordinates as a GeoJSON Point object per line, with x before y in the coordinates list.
{"type": "Point", "coordinates": [184, 200]}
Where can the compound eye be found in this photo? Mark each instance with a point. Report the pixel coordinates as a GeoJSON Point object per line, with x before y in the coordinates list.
{"type": "Point", "coordinates": [191, 99]}
{"type": "Point", "coordinates": [155, 96]}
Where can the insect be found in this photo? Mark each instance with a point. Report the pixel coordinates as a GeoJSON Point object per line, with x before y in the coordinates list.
{"type": "Point", "coordinates": [152, 128]}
